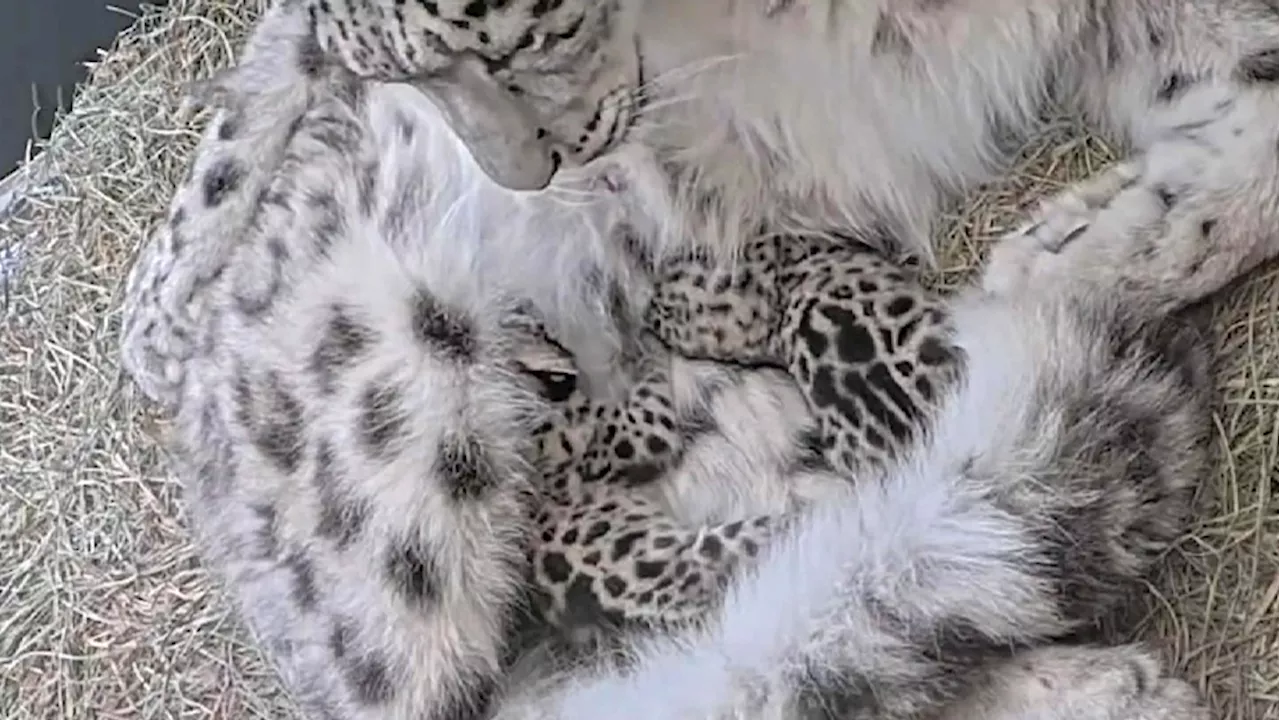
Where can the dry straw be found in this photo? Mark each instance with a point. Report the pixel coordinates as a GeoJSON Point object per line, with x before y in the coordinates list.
{"type": "Point", "coordinates": [105, 611]}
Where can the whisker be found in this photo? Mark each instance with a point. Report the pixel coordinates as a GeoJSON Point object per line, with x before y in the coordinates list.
{"type": "Point", "coordinates": [686, 72]}
{"type": "Point", "coordinates": [665, 102]}
{"type": "Point", "coordinates": [638, 105]}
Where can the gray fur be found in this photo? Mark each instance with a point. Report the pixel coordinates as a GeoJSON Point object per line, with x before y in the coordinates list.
{"type": "Point", "coordinates": [1058, 471]}
{"type": "Point", "coordinates": [340, 268]}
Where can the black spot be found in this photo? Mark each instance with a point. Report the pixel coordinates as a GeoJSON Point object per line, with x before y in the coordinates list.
{"type": "Point", "coordinates": [656, 445]}
{"type": "Point", "coordinates": [381, 418]}
{"type": "Point", "coordinates": [221, 180]}
{"type": "Point", "coordinates": [369, 682]}
{"type": "Point", "coordinates": [853, 343]}
{"type": "Point", "coordinates": [556, 567]}
{"type": "Point", "coordinates": [465, 468]}
{"type": "Point", "coordinates": [339, 521]}
{"type": "Point", "coordinates": [933, 353]}
{"type": "Point", "coordinates": [880, 378]}
{"type": "Point", "coordinates": [640, 474]}
{"type": "Point", "coordinates": [690, 582]}
{"type": "Point", "coordinates": [339, 639]}
{"type": "Point", "coordinates": [924, 388]}
{"type": "Point", "coordinates": [412, 570]}
{"type": "Point", "coordinates": [711, 547]}
{"type": "Point", "coordinates": [278, 433]}
{"type": "Point", "coordinates": [343, 341]}
{"type": "Point", "coordinates": [542, 7]}
{"type": "Point", "coordinates": [823, 393]}
{"type": "Point", "coordinates": [624, 450]}
{"type": "Point", "coordinates": [266, 537]}
{"type": "Point", "coordinates": [442, 328]}
{"type": "Point", "coordinates": [856, 384]}
{"type": "Point", "coordinates": [663, 542]}
{"type": "Point", "coordinates": [582, 606]}
{"type": "Point", "coordinates": [598, 529]}
{"type": "Point", "coordinates": [304, 580]}
{"type": "Point", "coordinates": [623, 545]}
{"type": "Point", "coordinates": [615, 586]}
{"type": "Point", "coordinates": [900, 306]}
{"type": "Point", "coordinates": [329, 222]}
{"type": "Point", "coordinates": [648, 569]}
{"type": "Point", "coordinates": [1260, 67]}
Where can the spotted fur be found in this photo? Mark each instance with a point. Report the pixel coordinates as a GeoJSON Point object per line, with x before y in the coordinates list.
{"type": "Point", "coordinates": [342, 305]}
{"type": "Point", "coordinates": [532, 85]}
{"type": "Point", "coordinates": [868, 343]}
{"type": "Point", "coordinates": [1059, 468]}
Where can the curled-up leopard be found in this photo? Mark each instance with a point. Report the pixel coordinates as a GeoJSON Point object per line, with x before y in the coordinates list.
{"type": "Point", "coordinates": [1058, 466]}
{"type": "Point", "coordinates": [348, 318]}
{"type": "Point", "coordinates": [719, 118]}
{"type": "Point", "coordinates": [356, 407]}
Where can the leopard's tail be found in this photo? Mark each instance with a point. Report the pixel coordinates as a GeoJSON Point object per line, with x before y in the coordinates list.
{"type": "Point", "coordinates": [256, 105]}
{"type": "Point", "coordinates": [1061, 466]}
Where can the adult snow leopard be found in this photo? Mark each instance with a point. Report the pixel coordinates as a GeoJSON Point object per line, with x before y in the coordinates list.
{"type": "Point", "coordinates": [723, 117]}
{"type": "Point", "coordinates": [699, 111]}
{"type": "Point", "coordinates": [311, 187]}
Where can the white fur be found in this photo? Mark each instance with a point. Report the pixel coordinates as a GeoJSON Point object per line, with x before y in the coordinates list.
{"type": "Point", "coordinates": [922, 540]}
{"type": "Point", "coordinates": [794, 128]}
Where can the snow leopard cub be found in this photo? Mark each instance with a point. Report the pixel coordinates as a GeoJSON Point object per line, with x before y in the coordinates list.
{"type": "Point", "coordinates": [1059, 467]}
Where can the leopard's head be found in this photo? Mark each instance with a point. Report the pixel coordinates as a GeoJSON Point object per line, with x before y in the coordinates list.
{"type": "Point", "coordinates": [529, 86]}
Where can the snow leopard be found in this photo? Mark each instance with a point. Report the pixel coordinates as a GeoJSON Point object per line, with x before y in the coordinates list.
{"type": "Point", "coordinates": [305, 156]}
{"type": "Point", "coordinates": [1058, 469]}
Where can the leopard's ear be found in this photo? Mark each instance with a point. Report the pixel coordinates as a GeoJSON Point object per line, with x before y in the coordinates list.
{"type": "Point", "coordinates": [498, 128]}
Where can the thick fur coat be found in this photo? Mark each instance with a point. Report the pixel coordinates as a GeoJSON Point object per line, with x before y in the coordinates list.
{"type": "Point", "coordinates": [1056, 471]}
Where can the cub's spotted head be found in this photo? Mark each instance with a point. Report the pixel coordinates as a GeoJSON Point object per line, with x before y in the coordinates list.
{"type": "Point", "coordinates": [528, 85]}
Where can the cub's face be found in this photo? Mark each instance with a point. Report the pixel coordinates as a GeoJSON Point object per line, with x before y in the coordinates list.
{"type": "Point", "coordinates": [530, 86]}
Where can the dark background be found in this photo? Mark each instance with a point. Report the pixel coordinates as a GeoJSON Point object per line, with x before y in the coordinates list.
{"type": "Point", "coordinates": [43, 47]}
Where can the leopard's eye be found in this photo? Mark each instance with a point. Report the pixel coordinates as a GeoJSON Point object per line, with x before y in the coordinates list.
{"type": "Point", "coordinates": [556, 386]}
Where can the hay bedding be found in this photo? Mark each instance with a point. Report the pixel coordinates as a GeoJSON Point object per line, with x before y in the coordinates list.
{"type": "Point", "coordinates": [105, 611]}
